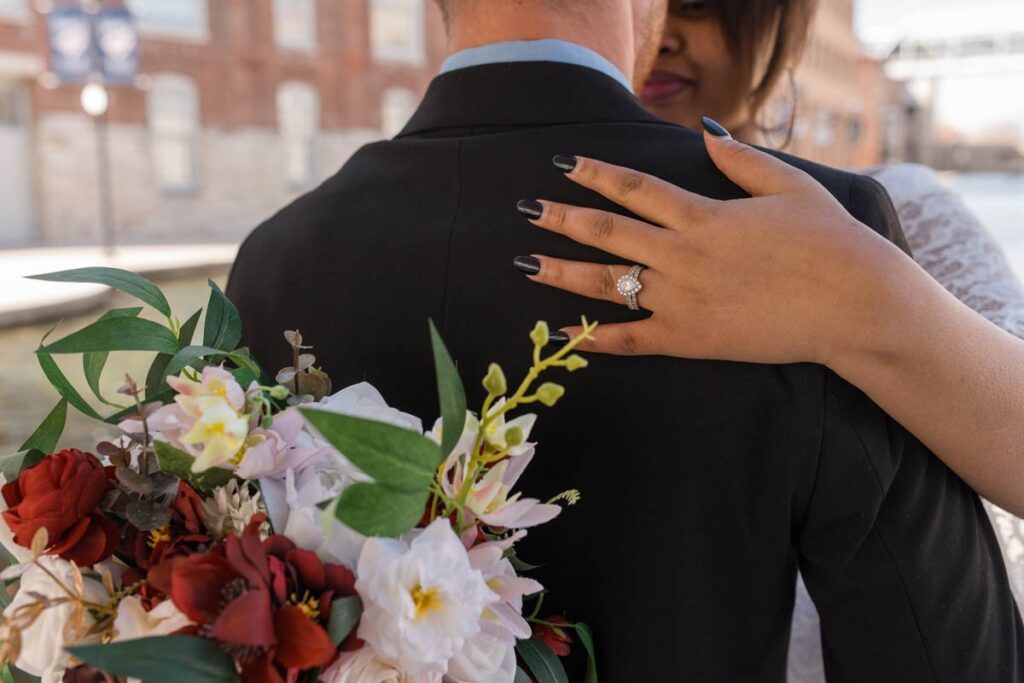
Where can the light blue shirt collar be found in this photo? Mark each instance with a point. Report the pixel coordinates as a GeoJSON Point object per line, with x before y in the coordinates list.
{"type": "Point", "coordinates": [548, 50]}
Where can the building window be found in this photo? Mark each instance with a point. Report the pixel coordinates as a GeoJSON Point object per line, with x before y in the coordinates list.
{"type": "Point", "coordinates": [295, 24]}
{"type": "Point", "coordinates": [175, 18]}
{"type": "Point", "coordinates": [174, 127]}
{"type": "Point", "coordinates": [15, 10]}
{"type": "Point", "coordinates": [396, 108]}
{"type": "Point", "coordinates": [298, 117]}
{"type": "Point", "coordinates": [397, 31]}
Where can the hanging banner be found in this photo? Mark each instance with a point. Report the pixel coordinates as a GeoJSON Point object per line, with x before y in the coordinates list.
{"type": "Point", "coordinates": [118, 41]}
{"type": "Point", "coordinates": [69, 31]}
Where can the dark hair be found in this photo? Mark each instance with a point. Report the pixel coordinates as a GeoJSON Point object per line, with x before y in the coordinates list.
{"type": "Point", "coordinates": [776, 28]}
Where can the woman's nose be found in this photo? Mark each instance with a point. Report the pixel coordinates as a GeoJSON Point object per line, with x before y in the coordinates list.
{"type": "Point", "coordinates": [671, 43]}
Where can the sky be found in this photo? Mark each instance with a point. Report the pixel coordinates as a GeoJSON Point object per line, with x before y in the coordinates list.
{"type": "Point", "coordinates": [969, 103]}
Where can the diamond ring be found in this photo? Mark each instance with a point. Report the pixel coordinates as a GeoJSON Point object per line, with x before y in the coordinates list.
{"type": "Point", "coordinates": [629, 286]}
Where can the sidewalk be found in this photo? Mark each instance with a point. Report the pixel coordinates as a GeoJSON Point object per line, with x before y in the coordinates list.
{"type": "Point", "coordinates": [24, 302]}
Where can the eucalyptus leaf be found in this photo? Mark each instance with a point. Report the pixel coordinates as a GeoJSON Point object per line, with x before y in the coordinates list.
{"type": "Point", "coordinates": [396, 457]}
{"type": "Point", "coordinates": [12, 465]}
{"type": "Point", "coordinates": [177, 462]}
{"type": "Point", "coordinates": [63, 386]}
{"type": "Point", "coordinates": [378, 510]}
{"type": "Point", "coordinates": [542, 662]}
{"type": "Point", "coordinates": [123, 280]}
{"type": "Point", "coordinates": [586, 637]}
{"type": "Point", "coordinates": [451, 394]}
{"type": "Point", "coordinates": [48, 433]}
{"type": "Point", "coordinates": [345, 613]}
{"type": "Point", "coordinates": [223, 328]}
{"type": "Point", "coordinates": [117, 334]}
{"type": "Point", "coordinates": [162, 659]}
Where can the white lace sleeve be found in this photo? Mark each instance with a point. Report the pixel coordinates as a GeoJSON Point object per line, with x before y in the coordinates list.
{"type": "Point", "coordinates": [955, 248]}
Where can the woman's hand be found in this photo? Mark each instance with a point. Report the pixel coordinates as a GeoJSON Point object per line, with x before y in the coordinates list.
{"type": "Point", "coordinates": [784, 276]}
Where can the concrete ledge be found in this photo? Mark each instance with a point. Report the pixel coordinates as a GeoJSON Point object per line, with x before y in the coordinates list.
{"type": "Point", "coordinates": [30, 302]}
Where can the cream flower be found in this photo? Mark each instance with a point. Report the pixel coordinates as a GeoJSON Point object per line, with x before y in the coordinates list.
{"type": "Point", "coordinates": [363, 666]}
{"type": "Point", "coordinates": [484, 659]}
{"type": "Point", "coordinates": [42, 644]}
{"type": "Point", "coordinates": [229, 509]}
{"type": "Point", "coordinates": [133, 621]}
{"type": "Point", "coordinates": [422, 600]}
{"type": "Point", "coordinates": [213, 381]}
{"type": "Point", "coordinates": [219, 430]}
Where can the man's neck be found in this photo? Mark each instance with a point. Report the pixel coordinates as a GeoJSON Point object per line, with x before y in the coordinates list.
{"type": "Point", "coordinates": [606, 28]}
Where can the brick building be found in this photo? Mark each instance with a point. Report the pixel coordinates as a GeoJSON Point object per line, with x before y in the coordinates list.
{"type": "Point", "coordinates": [242, 105]}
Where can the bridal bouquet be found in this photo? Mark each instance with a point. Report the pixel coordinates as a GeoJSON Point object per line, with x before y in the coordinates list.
{"type": "Point", "coordinates": [263, 529]}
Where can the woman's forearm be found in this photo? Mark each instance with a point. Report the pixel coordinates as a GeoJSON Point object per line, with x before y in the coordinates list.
{"type": "Point", "coordinates": [948, 375]}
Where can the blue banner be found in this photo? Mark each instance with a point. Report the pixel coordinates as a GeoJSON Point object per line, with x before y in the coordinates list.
{"type": "Point", "coordinates": [71, 43]}
{"type": "Point", "coordinates": [118, 42]}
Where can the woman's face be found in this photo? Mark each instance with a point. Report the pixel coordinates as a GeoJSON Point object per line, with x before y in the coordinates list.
{"type": "Point", "coordinates": [695, 75]}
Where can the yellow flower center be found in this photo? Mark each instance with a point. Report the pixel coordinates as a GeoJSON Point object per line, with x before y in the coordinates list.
{"type": "Point", "coordinates": [308, 605]}
{"type": "Point", "coordinates": [426, 601]}
{"type": "Point", "coordinates": [158, 536]}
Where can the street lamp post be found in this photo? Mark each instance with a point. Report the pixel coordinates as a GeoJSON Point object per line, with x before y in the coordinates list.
{"type": "Point", "coordinates": [95, 102]}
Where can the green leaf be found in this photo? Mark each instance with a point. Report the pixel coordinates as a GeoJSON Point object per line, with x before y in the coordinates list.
{"type": "Point", "coordinates": [586, 637]}
{"type": "Point", "coordinates": [188, 330]}
{"type": "Point", "coordinates": [190, 354]}
{"type": "Point", "coordinates": [379, 510]}
{"type": "Point", "coordinates": [396, 457]}
{"type": "Point", "coordinates": [157, 374]}
{"type": "Point", "coordinates": [179, 463]}
{"type": "Point", "coordinates": [5, 675]}
{"type": "Point", "coordinates": [94, 361]}
{"type": "Point", "coordinates": [47, 434]}
{"type": "Point", "coordinates": [12, 465]}
{"type": "Point", "coordinates": [63, 386]}
{"type": "Point", "coordinates": [450, 393]}
{"type": "Point", "coordinates": [542, 662]}
{"type": "Point", "coordinates": [117, 334]}
{"type": "Point", "coordinates": [126, 281]}
{"type": "Point", "coordinates": [163, 659]}
{"type": "Point", "coordinates": [345, 613]}
{"type": "Point", "coordinates": [522, 676]}
{"type": "Point", "coordinates": [223, 329]}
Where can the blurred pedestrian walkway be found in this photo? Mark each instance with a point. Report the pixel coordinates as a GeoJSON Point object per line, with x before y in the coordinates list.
{"type": "Point", "coordinates": [24, 302]}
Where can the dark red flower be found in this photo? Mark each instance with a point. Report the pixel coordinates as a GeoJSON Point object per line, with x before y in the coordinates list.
{"type": "Point", "coordinates": [266, 603]}
{"type": "Point", "coordinates": [62, 494]}
{"type": "Point", "coordinates": [555, 634]}
{"type": "Point", "coordinates": [184, 534]}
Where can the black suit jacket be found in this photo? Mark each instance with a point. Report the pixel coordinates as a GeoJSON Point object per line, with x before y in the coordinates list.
{"type": "Point", "coordinates": [704, 483]}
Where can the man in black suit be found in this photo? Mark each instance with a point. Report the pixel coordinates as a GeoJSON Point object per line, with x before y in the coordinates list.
{"type": "Point", "coordinates": [705, 483]}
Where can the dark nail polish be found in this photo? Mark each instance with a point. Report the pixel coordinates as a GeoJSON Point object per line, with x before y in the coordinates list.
{"type": "Point", "coordinates": [558, 338]}
{"type": "Point", "coordinates": [530, 208]}
{"type": "Point", "coordinates": [714, 127]}
{"type": "Point", "coordinates": [527, 264]}
{"type": "Point", "coordinates": [566, 162]}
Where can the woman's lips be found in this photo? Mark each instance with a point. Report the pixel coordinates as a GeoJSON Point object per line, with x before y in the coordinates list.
{"type": "Point", "coordinates": [663, 85]}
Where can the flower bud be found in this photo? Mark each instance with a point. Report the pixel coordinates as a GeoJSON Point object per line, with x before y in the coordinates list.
{"type": "Point", "coordinates": [575, 362]}
{"type": "Point", "coordinates": [514, 437]}
{"type": "Point", "coordinates": [549, 393]}
{"type": "Point", "coordinates": [279, 392]}
{"type": "Point", "coordinates": [494, 382]}
{"type": "Point", "coordinates": [541, 334]}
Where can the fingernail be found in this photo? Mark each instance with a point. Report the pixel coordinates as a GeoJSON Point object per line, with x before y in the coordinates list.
{"type": "Point", "coordinates": [527, 264]}
{"type": "Point", "coordinates": [714, 127]}
{"type": "Point", "coordinates": [530, 208]}
{"type": "Point", "coordinates": [566, 162]}
{"type": "Point", "coordinates": [560, 338]}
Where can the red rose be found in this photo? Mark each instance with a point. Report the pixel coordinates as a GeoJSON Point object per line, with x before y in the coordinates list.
{"type": "Point", "coordinates": [555, 634]}
{"type": "Point", "coordinates": [62, 494]}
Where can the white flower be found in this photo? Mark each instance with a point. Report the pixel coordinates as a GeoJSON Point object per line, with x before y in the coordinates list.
{"type": "Point", "coordinates": [422, 600]}
{"type": "Point", "coordinates": [363, 666]}
{"type": "Point", "coordinates": [133, 621]}
{"type": "Point", "coordinates": [363, 400]}
{"type": "Point", "coordinates": [484, 659]}
{"type": "Point", "coordinates": [230, 508]}
{"type": "Point", "coordinates": [42, 644]}
{"type": "Point", "coordinates": [292, 504]}
{"type": "Point", "coordinates": [7, 536]}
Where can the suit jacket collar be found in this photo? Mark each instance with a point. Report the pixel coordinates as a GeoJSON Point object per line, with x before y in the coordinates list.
{"type": "Point", "coordinates": [523, 94]}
